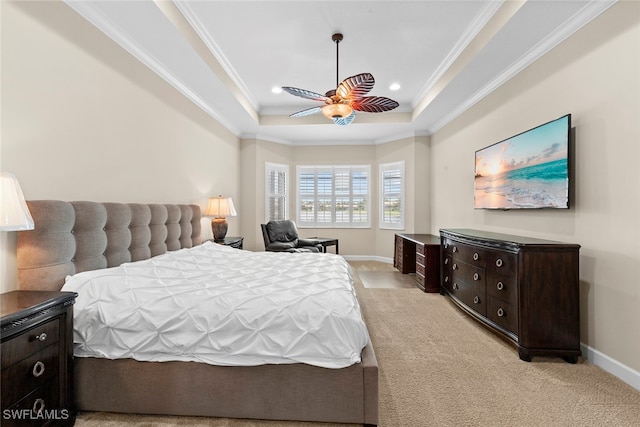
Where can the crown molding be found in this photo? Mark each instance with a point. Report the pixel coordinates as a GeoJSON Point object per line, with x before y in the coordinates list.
{"type": "Point", "coordinates": [122, 38]}
{"type": "Point", "coordinates": [585, 15]}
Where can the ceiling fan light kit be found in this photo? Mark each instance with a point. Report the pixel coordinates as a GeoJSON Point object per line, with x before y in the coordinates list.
{"type": "Point", "coordinates": [332, 111]}
{"type": "Point", "coordinates": [348, 97]}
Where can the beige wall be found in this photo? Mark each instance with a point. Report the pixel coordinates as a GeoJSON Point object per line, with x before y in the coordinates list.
{"type": "Point", "coordinates": [83, 120]}
{"type": "Point", "coordinates": [595, 75]}
{"type": "Point", "coordinates": [254, 155]}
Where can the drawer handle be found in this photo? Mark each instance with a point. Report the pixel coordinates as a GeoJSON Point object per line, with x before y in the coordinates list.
{"type": "Point", "coordinates": [475, 256]}
{"type": "Point", "coordinates": [455, 286]}
{"type": "Point", "coordinates": [500, 286]}
{"type": "Point", "coordinates": [38, 369]}
{"type": "Point", "coordinates": [42, 337]}
{"type": "Point", "coordinates": [476, 276]}
{"type": "Point", "coordinates": [446, 261]}
{"type": "Point", "coordinates": [455, 266]}
{"type": "Point", "coordinates": [476, 300]}
{"type": "Point", "coordinates": [38, 406]}
{"type": "Point", "coordinates": [499, 262]}
{"type": "Point", "coordinates": [455, 249]}
{"type": "Point", "coordinates": [446, 279]}
{"type": "Point", "coordinates": [500, 312]}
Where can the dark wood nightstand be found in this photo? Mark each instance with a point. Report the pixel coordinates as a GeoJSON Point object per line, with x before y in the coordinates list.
{"type": "Point", "coordinates": [234, 242]}
{"type": "Point", "coordinates": [37, 358]}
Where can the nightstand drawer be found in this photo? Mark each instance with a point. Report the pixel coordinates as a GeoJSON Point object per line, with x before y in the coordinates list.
{"type": "Point", "coordinates": [29, 374]}
{"type": "Point", "coordinates": [31, 341]}
{"type": "Point", "coordinates": [43, 399]}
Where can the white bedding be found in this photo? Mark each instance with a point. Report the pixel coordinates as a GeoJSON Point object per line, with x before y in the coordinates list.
{"type": "Point", "coordinates": [222, 306]}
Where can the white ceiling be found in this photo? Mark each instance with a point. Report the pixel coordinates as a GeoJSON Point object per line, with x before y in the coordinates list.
{"type": "Point", "coordinates": [226, 56]}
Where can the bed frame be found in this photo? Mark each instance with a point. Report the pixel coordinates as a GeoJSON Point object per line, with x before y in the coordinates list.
{"type": "Point", "coordinates": [71, 237]}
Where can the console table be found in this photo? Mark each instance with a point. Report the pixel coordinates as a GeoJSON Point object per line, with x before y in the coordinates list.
{"type": "Point", "coordinates": [525, 289]}
{"type": "Point", "coordinates": [420, 254]}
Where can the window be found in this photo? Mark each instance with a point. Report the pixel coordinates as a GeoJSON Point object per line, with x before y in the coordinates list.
{"type": "Point", "coordinates": [334, 196]}
{"type": "Point", "coordinates": [392, 195]}
{"type": "Point", "coordinates": [276, 181]}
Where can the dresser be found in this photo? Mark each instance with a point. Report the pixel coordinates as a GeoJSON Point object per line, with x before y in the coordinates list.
{"type": "Point", "coordinates": [524, 289]}
{"type": "Point", "coordinates": [37, 356]}
{"type": "Point", "coordinates": [420, 254]}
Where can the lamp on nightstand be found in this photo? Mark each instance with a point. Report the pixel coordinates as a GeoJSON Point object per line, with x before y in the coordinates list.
{"type": "Point", "coordinates": [14, 213]}
{"type": "Point", "coordinates": [219, 208]}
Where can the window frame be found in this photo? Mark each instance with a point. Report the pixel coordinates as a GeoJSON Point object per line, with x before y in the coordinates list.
{"type": "Point", "coordinates": [383, 195]}
{"type": "Point", "coordinates": [270, 194]}
{"type": "Point", "coordinates": [331, 197]}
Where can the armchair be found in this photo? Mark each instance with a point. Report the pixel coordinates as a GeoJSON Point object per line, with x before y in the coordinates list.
{"type": "Point", "coordinates": [282, 236]}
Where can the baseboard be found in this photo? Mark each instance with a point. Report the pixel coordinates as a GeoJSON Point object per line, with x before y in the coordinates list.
{"type": "Point", "coordinates": [368, 258]}
{"type": "Point", "coordinates": [612, 366]}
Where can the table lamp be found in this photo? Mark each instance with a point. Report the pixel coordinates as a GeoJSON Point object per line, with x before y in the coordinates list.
{"type": "Point", "coordinates": [219, 208]}
{"type": "Point", "coordinates": [14, 213]}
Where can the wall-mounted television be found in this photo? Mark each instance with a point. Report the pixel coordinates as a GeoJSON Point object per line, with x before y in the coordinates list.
{"type": "Point", "coordinates": [530, 170]}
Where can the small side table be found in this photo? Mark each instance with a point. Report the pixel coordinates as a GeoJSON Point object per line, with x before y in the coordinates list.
{"type": "Point", "coordinates": [37, 358]}
{"type": "Point", "coordinates": [234, 242]}
{"type": "Point", "coordinates": [326, 241]}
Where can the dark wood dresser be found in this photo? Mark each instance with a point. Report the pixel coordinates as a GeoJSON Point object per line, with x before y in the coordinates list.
{"type": "Point", "coordinates": [37, 358]}
{"type": "Point", "coordinates": [420, 254]}
{"type": "Point", "coordinates": [525, 289]}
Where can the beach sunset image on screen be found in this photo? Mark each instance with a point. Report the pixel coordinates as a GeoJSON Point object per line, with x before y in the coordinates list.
{"type": "Point", "coordinates": [528, 170]}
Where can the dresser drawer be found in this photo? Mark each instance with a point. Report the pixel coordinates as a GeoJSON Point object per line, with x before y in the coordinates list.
{"type": "Point", "coordinates": [446, 246]}
{"type": "Point", "coordinates": [421, 249]}
{"type": "Point", "coordinates": [503, 263]}
{"type": "Point", "coordinates": [447, 273]}
{"type": "Point", "coordinates": [467, 253]}
{"type": "Point", "coordinates": [467, 272]}
{"type": "Point", "coordinates": [420, 270]}
{"type": "Point", "coordinates": [470, 294]}
{"type": "Point", "coordinates": [33, 340]}
{"type": "Point", "coordinates": [504, 288]}
{"type": "Point", "coordinates": [503, 314]}
{"type": "Point", "coordinates": [30, 373]}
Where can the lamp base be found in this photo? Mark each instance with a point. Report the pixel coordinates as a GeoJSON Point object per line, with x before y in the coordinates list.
{"type": "Point", "coordinates": [219, 228]}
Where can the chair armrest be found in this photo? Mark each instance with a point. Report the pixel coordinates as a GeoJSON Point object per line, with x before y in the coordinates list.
{"type": "Point", "coordinates": [308, 242]}
{"type": "Point", "coordinates": [280, 246]}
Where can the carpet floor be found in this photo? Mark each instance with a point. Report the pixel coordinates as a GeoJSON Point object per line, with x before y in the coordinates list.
{"type": "Point", "coordinates": [438, 367]}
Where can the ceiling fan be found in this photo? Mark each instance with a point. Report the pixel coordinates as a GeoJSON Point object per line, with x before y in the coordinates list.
{"type": "Point", "coordinates": [342, 103]}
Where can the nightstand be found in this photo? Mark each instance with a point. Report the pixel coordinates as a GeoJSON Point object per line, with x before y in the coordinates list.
{"type": "Point", "coordinates": [234, 242]}
{"type": "Point", "coordinates": [37, 358]}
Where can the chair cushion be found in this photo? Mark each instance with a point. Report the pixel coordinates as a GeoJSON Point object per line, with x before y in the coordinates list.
{"type": "Point", "coordinates": [282, 231]}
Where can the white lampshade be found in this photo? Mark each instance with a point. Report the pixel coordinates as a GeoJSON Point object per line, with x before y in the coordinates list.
{"type": "Point", "coordinates": [14, 214]}
{"type": "Point", "coordinates": [220, 207]}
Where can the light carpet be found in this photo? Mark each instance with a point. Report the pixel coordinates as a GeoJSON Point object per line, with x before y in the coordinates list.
{"type": "Point", "coordinates": [438, 367]}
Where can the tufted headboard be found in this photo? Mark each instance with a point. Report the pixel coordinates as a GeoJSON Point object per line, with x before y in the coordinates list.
{"type": "Point", "coordinates": [71, 237]}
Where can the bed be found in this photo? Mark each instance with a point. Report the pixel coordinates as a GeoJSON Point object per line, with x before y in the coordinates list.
{"type": "Point", "coordinates": [84, 242]}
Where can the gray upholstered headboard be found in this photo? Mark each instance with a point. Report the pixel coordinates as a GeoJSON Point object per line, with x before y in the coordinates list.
{"type": "Point", "coordinates": [71, 237]}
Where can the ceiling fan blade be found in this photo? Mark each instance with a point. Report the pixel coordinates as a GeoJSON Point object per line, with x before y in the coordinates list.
{"type": "Point", "coordinates": [374, 104]}
{"type": "Point", "coordinates": [355, 87]}
{"type": "Point", "coordinates": [307, 112]}
{"type": "Point", "coordinates": [343, 121]}
{"type": "Point", "coordinates": [307, 94]}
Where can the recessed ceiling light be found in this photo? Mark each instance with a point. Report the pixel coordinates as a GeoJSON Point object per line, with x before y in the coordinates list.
{"type": "Point", "coordinates": [394, 86]}
{"type": "Point", "coordinates": [276, 89]}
